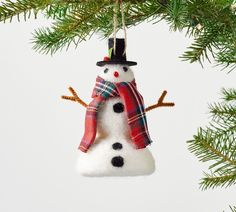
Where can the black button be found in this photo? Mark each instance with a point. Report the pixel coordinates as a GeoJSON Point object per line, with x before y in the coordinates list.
{"type": "Point", "coordinates": [117, 161]}
{"type": "Point", "coordinates": [117, 146]}
{"type": "Point", "coordinates": [118, 107]}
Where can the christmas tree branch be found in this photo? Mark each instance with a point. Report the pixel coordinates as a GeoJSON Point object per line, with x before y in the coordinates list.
{"type": "Point", "coordinates": [213, 181]}
{"type": "Point", "coordinates": [229, 94]}
{"type": "Point", "coordinates": [233, 209]}
{"type": "Point", "coordinates": [10, 9]}
{"type": "Point", "coordinates": [214, 30]}
{"type": "Point", "coordinates": [59, 11]}
{"type": "Point", "coordinates": [200, 48]}
{"type": "Point", "coordinates": [78, 23]}
{"type": "Point", "coordinates": [222, 111]}
{"type": "Point", "coordinates": [217, 143]}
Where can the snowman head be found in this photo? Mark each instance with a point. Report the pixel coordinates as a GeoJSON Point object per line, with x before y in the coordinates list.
{"type": "Point", "coordinates": [116, 73]}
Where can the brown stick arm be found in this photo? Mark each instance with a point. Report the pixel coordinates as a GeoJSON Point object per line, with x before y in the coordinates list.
{"type": "Point", "coordinates": [160, 103]}
{"type": "Point", "coordinates": [74, 97]}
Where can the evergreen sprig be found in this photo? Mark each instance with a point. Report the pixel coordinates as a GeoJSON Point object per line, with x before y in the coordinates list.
{"type": "Point", "coordinates": [212, 23]}
{"type": "Point", "coordinates": [25, 8]}
{"type": "Point", "coordinates": [82, 21]}
{"type": "Point", "coordinates": [229, 94]}
{"type": "Point", "coordinates": [217, 143]}
{"type": "Point", "coordinates": [233, 209]}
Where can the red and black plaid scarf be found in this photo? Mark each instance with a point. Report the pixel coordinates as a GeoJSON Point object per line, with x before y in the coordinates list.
{"type": "Point", "coordinates": [134, 107]}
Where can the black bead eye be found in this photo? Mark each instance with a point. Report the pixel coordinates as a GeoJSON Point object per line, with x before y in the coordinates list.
{"type": "Point", "coordinates": [106, 70]}
{"type": "Point", "coordinates": [125, 69]}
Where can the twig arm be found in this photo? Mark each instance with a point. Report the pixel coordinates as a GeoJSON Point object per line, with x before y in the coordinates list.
{"type": "Point", "coordinates": [160, 103]}
{"type": "Point", "coordinates": [74, 98]}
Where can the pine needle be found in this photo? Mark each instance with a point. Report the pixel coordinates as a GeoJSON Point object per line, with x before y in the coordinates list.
{"type": "Point", "coordinates": [216, 143]}
{"type": "Point", "coordinates": [74, 21]}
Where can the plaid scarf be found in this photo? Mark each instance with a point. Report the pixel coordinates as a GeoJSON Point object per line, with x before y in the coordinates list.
{"type": "Point", "coordinates": [134, 107]}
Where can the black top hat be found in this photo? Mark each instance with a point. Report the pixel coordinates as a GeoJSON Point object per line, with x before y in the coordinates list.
{"type": "Point", "coordinates": [119, 57]}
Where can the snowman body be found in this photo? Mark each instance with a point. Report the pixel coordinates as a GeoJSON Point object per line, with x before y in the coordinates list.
{"type": "Point", "coordinates": [113, 152]}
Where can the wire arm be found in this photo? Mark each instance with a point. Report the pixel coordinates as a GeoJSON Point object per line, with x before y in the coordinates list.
{"type": "Point", "coordinates": [74, 97]}
{"type": "Point", "coordinates": [160, 103]}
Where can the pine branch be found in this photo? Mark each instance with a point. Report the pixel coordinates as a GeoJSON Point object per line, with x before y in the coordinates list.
{"type": "Point", "coordinates": [233, 209]}
{"type": "Point", "coordinates": [222, 111]}
{"type": "Point", "coordinates": [214, 29]}
{"type": "Point", "coordinates": [201, 47]}
{"type": "Point", "coordinates": [218, 25]}
{"type": "Point", "coordinates": [217, 143]}
{"type": "Point", "coordinates": [9, 9]}
{"type": "Point", "coordinates": [229, 94]}
{"type": "Point", "coordinates": [177, 14]}
{"type": "Point", "coordinates": [26, 8]}
{"type": "Point", "coordinates": [213, 181]}
{"type": "Point", "coordinates": [227, 58]}
{"type": "Point", "coordinates": [90, 17]}
{"type": "Point", "coordinates": [79, 24]}
{"type": "Point", "coordinates": [58, 11]}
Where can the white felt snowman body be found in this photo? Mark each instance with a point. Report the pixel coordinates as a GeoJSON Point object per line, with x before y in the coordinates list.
{"type": "Point", "coordinates": [113, 152]}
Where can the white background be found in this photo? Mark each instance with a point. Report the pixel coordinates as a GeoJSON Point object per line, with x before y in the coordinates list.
{"type": "Point", "coordinates": [39, 132]}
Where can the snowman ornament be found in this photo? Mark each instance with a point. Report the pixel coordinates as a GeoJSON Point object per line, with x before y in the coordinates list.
{"type": "Point", "coordinates": [116, 133]}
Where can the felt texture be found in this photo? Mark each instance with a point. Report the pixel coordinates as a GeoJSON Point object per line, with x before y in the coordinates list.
{"type": "Point", "coordinates": [134, 109]}
{"type": "Point", "coordinates": [113, 128]}
{"type": "Point", "coordinates": [117, 161]}
{"type": "Point", "coordinates": [113, 134]}
{"type": "Point", "coordinates": [117, 146]}
{"type": "Point", "coordinates": [113, 138]}
{"type": "Point", "coordinates": [118, 108]}
{"type": "Point", "coordinates": [117, 55]}
{"type": "Point", "coordinates": [124, 76]}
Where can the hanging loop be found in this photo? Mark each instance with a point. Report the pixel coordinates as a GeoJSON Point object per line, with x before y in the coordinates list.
{"type": "Point", "coordinates": [115, 23]}
{"type": "Point", "coordinates": [123, 24]}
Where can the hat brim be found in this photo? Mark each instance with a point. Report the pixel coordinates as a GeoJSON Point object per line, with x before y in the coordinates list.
{"type": "Point", "coordinates": [128, 63]}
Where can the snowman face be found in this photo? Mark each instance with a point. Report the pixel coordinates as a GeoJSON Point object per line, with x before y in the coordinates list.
{"type": "Point", "coordinates": [116, 73]}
